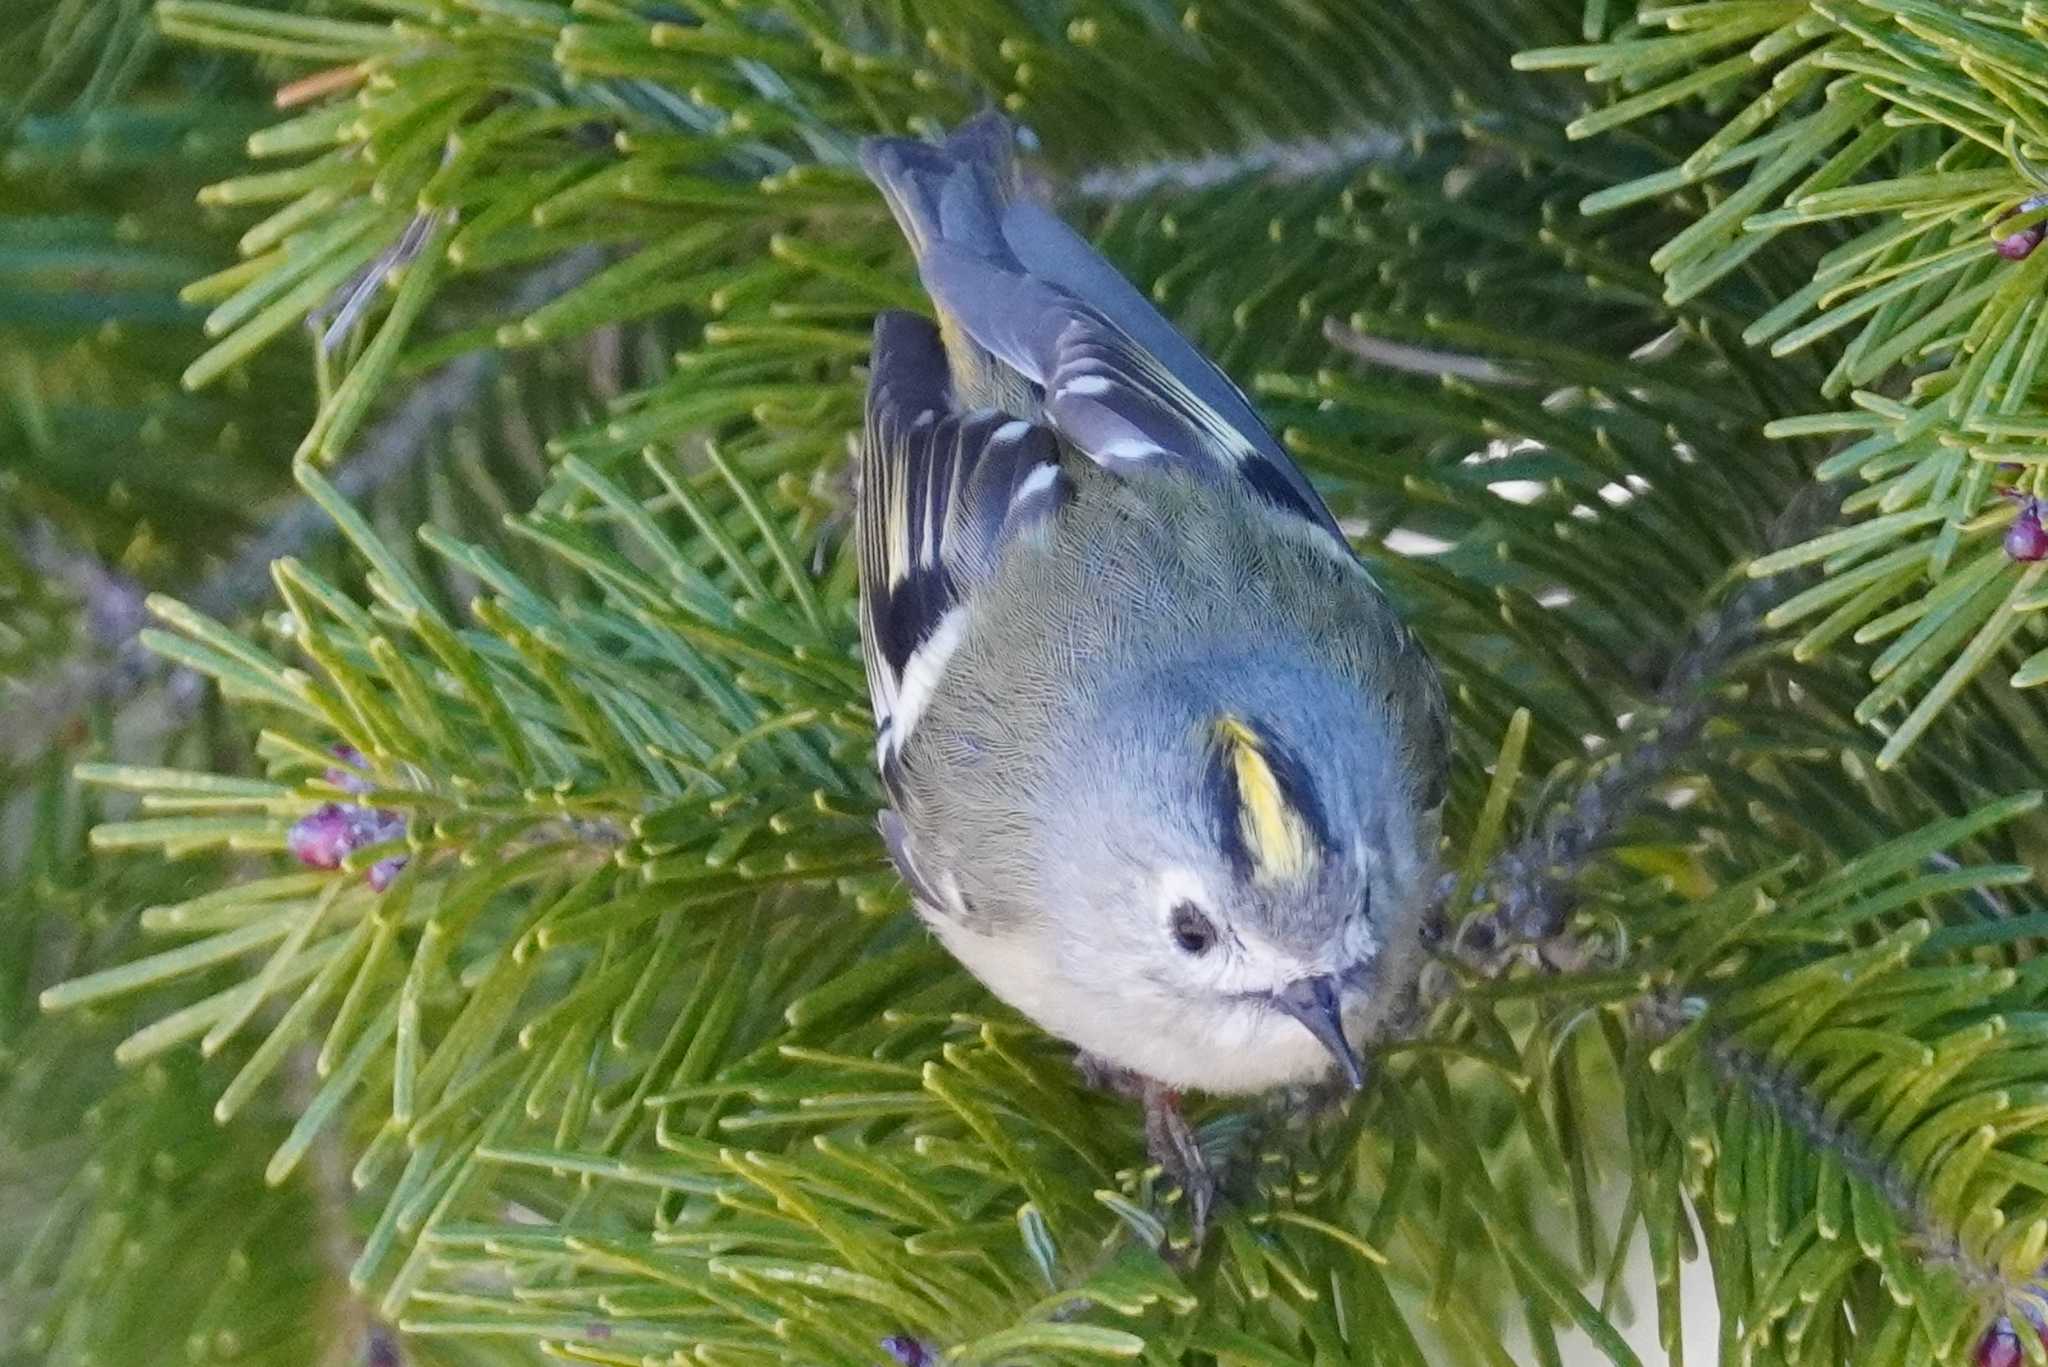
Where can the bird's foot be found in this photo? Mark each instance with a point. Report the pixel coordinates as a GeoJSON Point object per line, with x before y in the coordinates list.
{"type": "Point", "coordinates": [838, 485]}
{"type": "Point", "coordinates": [1168, 1136]}
{"type": "Point", "coordinates": [1171, 1142]}
{"type": "Point", "coordinates": [1169, 1139]}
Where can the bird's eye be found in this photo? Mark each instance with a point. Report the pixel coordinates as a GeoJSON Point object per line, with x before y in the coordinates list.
{"type": "Point", "coordinates": [1192, 931]}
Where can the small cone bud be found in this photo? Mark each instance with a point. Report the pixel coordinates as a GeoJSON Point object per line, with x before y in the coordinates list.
{"type": "Point", "coordinates": [2020, 245]}
{"type": "Point", "coordinates": [349, 780]}
{"type": "Point", "coordinates": [909, 1352]}
{"type": "Point", "coordinates": [321, 840]}
{"type": "Point", "coordinates": [2000, 1346]}
{"type": "Point", "coordinates": [2025, 540]}
{"type": "Point", "coordinates": [334, 831]}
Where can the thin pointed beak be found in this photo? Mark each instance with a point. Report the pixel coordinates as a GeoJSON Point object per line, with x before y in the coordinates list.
{"type": "Point", "coordinates": [1316, 1004]}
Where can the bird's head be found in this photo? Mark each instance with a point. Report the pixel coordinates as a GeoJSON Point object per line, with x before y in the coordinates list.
{"type": "Point", "coordinates": [1243, 845]}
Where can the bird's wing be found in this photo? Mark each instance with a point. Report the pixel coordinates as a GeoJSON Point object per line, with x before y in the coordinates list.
{"type": "Point", "coordinates": [941, 494]}
{"type": "Point", "coordinates": [1028, 296]}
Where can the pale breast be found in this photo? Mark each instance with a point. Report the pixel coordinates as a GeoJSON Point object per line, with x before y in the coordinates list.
{"type": "Point", "coordinates": [1226, 1049]}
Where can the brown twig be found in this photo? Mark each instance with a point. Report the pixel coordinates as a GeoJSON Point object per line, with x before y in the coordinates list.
{"type": "Point", "coordinates": [1789, 1096]}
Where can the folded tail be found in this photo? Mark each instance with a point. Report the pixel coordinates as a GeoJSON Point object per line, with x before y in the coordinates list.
{"type": "Point", "coordinates": [954, 191]}
{"type": "Point", "coordinates": [1036, 323]}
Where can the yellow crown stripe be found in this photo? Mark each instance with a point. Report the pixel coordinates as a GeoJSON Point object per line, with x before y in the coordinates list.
{"type": "Point", "coordinates": [1278, 838]}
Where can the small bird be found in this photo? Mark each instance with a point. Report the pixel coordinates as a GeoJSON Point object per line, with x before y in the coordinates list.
{"type": "Point", "coordinates": [1164, 769]}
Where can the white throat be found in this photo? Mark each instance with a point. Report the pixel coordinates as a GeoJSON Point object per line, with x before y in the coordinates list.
{"type": "Point", "coordinates": [1208, 1043]}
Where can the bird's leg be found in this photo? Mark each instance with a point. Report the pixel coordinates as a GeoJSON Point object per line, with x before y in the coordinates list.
{"type": "Point", "coordinates": [1171, 1141]}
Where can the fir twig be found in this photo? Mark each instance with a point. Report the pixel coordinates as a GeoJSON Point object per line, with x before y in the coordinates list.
{"type": "Point", "coordinates": [1530, 884]}
{"type": "Point", "coordinates": [1795, 1103]}
{"type": "Point", "coordinates": [389, 451]}
{"type": "Point", "coordinates": [1417, 360]}
{"type": "Point", "coordinates": [115, 669]}
{"type": "Point", "coordinates": [1294, 159]}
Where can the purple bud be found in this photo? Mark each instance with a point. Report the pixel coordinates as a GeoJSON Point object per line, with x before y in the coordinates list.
{"type": "Point", "coordinates": [321, 840]}
{"type": "Point", "coordinates": [335, 830]}
{"type": "Point", "coordinates": [373, 826]}
{"type": "Point", "coordinates": [2020, 245]}
{"type": "Point", "coordinates": [383, 871]}
{"type": "Point", "coordinates": [909, 1352]}
{"type": "Point", "coordinates": [346, 779]}
{"type": "Point", "coordinates": [2025, 540]}
{"type": "Point", "coordinates": [2000, 1346]}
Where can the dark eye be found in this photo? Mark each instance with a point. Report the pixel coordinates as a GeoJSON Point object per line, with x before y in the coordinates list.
{"type": "Point", "coordinates": [1192, 930]}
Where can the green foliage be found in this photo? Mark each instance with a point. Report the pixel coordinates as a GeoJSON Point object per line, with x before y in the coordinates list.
{"type": "Point", "coordinates": [36, 626]}
{"type": "Point", "coordinates": [1907, 137]}
{"type": "Point", "coordinates": [112, 1180]}
{"type": "Point", "coordinates": [105, 138]}
{"type": "Point", "coordinates": [481, 136]}
{"type": "Point", "coordinates": [612, 1018]}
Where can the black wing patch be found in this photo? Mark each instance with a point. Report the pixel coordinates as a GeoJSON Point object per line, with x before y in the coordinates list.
{"type": "Point", "coordinates": [1113, 400]}
{"type": "Point", "coordinates": [941, 495]}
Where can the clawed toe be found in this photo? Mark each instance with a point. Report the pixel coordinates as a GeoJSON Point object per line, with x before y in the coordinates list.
{"type": "Point", "coordinates": [1169, 1139]}
{"type": "Point", "coordinates": [1172, 1144]}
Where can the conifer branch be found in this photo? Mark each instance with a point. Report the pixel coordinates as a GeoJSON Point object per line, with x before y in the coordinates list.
{"type": "Point", "coordinates": [115, 669]}
{"type": "Point", "coordinates": [1409, 359]}
{"type": "Point", "coordinates": [1530, 884]}
{"type": "Point", "coordinates": [1940, 282]}
{"type": "Point", "coordinates": [1282, 160]}
{"type": "Point", "coordinates": [650, 764]}
{"type": "Point", "coordinates": [1795, 1104]}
